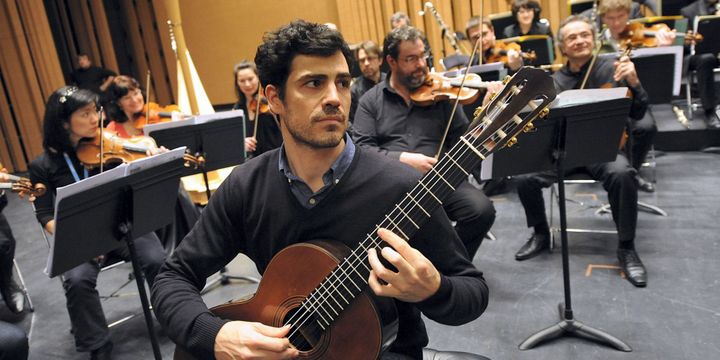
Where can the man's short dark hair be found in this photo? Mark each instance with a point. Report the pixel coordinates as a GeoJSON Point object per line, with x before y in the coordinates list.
{"type": "Point", "coordinates": [391, 45]}
{"type": "Point", "coordinates": [370, 48]}
{"type": "Point", "coordinates": [275, 55]}
{"type": "Point", "coordinates": [475, 21]}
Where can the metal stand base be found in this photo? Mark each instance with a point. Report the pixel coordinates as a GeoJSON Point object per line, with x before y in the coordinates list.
{"type": "Point", "coordinates": [225, 279]}
{"type": "Point", "coordinates": [573, 327]}
{"type": "Point", "coordinates": [652, 209]}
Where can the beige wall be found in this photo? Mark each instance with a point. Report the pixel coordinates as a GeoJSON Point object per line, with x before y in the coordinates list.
{"type": "Point", "coordinates": [219, 33]}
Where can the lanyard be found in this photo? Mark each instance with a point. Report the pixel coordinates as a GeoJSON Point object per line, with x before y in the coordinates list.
{"type": "Point", "coordinates": [72, 168]}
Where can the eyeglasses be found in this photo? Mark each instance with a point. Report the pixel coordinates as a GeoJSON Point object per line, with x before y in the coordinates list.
{"type": "Point", "coordinates": [413, 59]}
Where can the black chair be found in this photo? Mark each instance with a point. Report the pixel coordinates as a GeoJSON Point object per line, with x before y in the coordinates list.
{"type": "Point", "coordinates": [453, 61]}
{"type": "Point", "coordinates": [431, 354]}
{"type": "Point", "coordinates": [578, 6]}
{"type": "Point", "coordinates": [500, 21]}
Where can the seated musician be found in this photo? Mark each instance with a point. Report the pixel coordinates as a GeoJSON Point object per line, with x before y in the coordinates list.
{"type": "Point", "coordinates": [9, 289]}
{"type": "Point", "coordinates": [71, 115]}
{"type": "Point", "coordinates": [125, 105]}
{"type": "Point", "coordinates": [247, 85]}
{"type": "Point", "coordinates": [475, 32]}
{"type": "Point", "coordinates": [369, 57]}
{"type": "Point", "coordinates": [616, 13]}
{"type": "Point", "coordinates": [389, 123]}
{"type": "Point", "coordinates": [576, 39]}
{"type": "Point", "coordinates": [400, 19]}
{"type": "Point", "coordinates": [526, 14]}
{"type": "Point", "coordinates": [317, 185]}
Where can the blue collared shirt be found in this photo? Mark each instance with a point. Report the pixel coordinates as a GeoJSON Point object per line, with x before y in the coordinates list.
{"type": "Point", "coordinates": [332, 177]}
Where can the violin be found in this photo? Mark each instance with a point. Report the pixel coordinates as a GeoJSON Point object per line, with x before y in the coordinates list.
{"type": "Point", "coordinates": [640, 35]}
{"type": "Point", "coordinates": [438, 88]}
{"type": "Point", "coordinates": [263, 107]}
{"type": "Point", "coordinates": [117, 150]}
{"type": "Point", "coordinates": [22, 186]}
{"type": "Point", "coordinates": [500, 50]}
{"type": "Point", "coordinates": [153, 113]}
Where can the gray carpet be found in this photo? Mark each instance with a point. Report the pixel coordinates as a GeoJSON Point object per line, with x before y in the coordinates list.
{"type": "Point", "coordinates": [676, 317]}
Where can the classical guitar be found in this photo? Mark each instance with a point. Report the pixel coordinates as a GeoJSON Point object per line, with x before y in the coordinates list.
{"type": "Point", "coordinates": [325, 296]}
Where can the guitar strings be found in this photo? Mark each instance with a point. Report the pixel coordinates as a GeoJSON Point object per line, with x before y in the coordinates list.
{"type": "Point", "coordinates": [354, 259]}
{"type": "Point", "coordinates": [375, 242]}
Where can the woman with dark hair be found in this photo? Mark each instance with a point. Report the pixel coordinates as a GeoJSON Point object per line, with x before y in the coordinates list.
{"type": "Point", "coordinates": [247, 84]}
{"type": "Point", "coordinates": [71, 115]}
{"type": "Point", "coordinates": [126, 110]}
{"type": "Point", "coordinates": [526, 14]}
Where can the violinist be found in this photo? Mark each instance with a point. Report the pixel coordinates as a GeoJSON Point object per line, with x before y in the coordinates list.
{"type": "Point", "coordinates": [481, 28]}
{"type": "Point", "coordinates": [388, 122]}
{"type": "Point", "coordinates": [576, 37]}
{"type": "Point", "coordinates": [9, 289]}
{"type": "Point", "coordinates": [247, 85]}
{"type": "Point", "coordinates": [369, 58]}
{"type": "Point", "coordinates": [127, 111]}
{"type": "Point", "coordinates": [614, 14]}
{"type": "Point", "coordinates": [71, 115]}
{"type": "Point", "coordinates": [526, 14]}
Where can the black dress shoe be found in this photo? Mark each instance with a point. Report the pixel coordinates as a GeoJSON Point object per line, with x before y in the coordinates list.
{"type": "Point", "coordinates": [102, 353]}
{"type": "Point", "coordinates": [644, 185]}
{"type": "Point", "coordinates": [633, 267]}
{"type": "Point", "coordinates": [712, 120]}
{"type": "Point", "coordinates": [13, 296]}
{"type": "Point", "coordinates": [533, 247]}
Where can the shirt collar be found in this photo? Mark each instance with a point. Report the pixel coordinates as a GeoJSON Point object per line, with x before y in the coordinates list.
{"type": "Point", "coordinates": [337, 169]}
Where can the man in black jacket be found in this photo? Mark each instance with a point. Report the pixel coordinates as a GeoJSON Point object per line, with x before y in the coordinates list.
{"type": "Point", "coordinates": [576, 40]}
{"type": "Point", "coordinates": [318, 185]}
{"type": "Point", "coordinates": [389, 123]}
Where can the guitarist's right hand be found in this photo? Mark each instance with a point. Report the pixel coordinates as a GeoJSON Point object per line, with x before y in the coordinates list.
{"type": "Point", "coordinates": [252, 340]}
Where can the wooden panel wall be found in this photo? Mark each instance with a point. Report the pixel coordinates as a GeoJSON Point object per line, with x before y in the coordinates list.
{"type": "Point", "coordinates": [358, 23]}
{"type": "Point", "coordinates": [29, 72]}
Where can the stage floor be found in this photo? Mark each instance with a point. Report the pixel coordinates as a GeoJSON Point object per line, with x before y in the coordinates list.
{"type": "Point", "coordinates": [676, 317]}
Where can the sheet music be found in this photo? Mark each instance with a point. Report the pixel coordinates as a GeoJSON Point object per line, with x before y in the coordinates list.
{"type": "Point", "coordinates": [150, 161]}
{"type": "Point", "coordinates": [199, 119]}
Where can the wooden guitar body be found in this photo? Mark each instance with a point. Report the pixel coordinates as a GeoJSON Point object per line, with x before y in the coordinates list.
{"type": "Point", "coordinates": [362, 331]}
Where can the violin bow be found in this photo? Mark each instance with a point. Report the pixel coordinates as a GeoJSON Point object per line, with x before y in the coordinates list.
{"type": "Point", "coordinates": [147, 101]}
{"type": "Point", "coordinates": [598, 46]}
{"type": "Point", "coordinates": [102, 136]}
{"type": "Point", "coordinates": [257, 111]}
{"type": "Point", "coordinates": [462, 85]}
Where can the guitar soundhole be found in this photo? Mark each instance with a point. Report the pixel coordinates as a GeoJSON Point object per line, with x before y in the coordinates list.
{"type": "Point", "coordinates": [306, 333]}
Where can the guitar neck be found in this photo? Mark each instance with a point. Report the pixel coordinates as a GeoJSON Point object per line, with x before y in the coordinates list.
{"type": "Point", "coordinates": [494, 127]}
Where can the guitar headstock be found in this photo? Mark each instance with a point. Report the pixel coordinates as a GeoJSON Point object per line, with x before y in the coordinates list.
{"type": "Point", "coordinates": [497, 124]}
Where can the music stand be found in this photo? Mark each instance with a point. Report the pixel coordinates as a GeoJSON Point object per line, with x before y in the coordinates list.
{"type": "Point", "coordinates": [220, 139]}
{"type": "Point", "coordinates": [709, 27]}
{"type": "Point", "coordinates": [96, 216]}
{"type": "Point", "coordinates": [542, 45]}
{"type": "Point", "coordinates": [584, 127]}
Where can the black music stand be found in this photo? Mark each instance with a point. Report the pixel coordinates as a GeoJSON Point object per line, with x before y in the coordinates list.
{"type": "Point", "coordinates": [220, 139]}
{"type": "Point", "coordinates": [103, 217]}
{"type": "Point", "coordinates": [578, 132]}
{"type": "Point", "coordinates": [709, 27]}
{"type": "Point", "coordinates": [541, 45]}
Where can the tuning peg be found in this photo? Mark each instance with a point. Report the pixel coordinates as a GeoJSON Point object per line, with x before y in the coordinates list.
{"type": "Point", "coordinates": [478, 111]}
{"type": "Point", "coordinates": [528, 128]}
{"type": "Point", "coordinates": [544, 112]}
{"type": "Point", "coordinates": [506, 79]}
{"type": "Point", "coordinates": [512, 141]}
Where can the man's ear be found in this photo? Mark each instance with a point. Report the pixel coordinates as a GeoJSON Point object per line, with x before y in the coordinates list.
{"type": "Point", "coordinates": [390, 61]}
{"type": "Point", "coordinates": [272, 94]}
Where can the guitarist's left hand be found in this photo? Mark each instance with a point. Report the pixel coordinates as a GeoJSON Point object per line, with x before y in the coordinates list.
{"type": "Point", "coordinates": [416, 279]}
